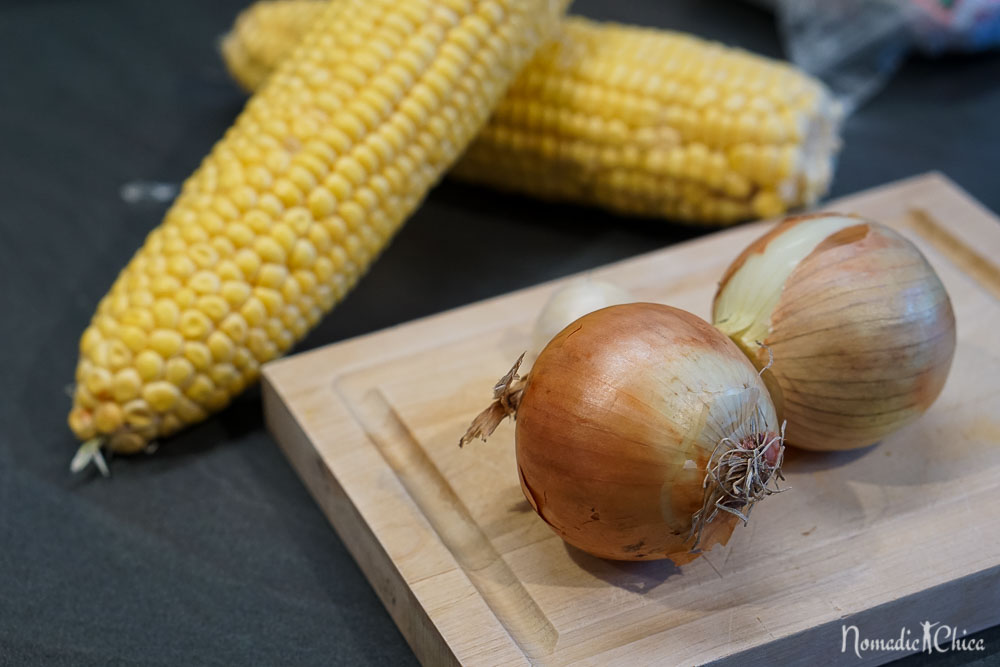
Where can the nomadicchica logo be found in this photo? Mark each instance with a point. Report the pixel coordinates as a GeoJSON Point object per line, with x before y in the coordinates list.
{"type": "Point", "coordinates": [933, 637]}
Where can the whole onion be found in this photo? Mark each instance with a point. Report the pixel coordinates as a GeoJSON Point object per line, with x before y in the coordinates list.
{"type": "Point", "coordinates": [642, 433]}
{"type": "Point", "coordinates": [855, 327]}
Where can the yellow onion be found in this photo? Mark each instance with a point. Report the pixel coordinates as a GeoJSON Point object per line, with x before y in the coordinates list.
{"type": "Point", "coordinates": [641, 433]}
{"type": "Point", "coordinates": [856, 326]}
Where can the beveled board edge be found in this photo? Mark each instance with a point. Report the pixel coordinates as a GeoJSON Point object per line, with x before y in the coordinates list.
{"type": "Point", "coordinates": [970, 603]}
{"type": "Point", "coordinates": [364, 546]}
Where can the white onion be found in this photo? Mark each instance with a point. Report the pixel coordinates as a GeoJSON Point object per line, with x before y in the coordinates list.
{"type": "Point", "coordinates": [571, 301]}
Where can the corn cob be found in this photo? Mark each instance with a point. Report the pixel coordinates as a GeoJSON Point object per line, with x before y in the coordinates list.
{"type": "Point", "coordinates": [640, 121]}
{"type": "Point", "coordinates": [292, 205]}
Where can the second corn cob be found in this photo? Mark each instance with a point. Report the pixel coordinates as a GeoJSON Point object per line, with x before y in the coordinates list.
{"type": "Point", "coordinates": [641, 121]}
{"type": "Point", "coordinates": [293, 204]}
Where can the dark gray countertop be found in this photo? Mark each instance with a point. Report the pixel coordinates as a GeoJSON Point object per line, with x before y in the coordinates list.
{"type": "Point", "coordinates": [211, 551]}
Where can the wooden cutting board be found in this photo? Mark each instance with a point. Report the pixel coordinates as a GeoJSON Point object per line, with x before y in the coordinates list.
{"type": "Point", "coordinates": [882, 539]}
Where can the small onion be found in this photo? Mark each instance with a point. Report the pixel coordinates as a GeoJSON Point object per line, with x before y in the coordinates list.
{"type": "Point", "coordinates": [571, 301]}
{"type": "Point", "coordinates": [642, 433]}
{"type": "Point", "coordinates": [856, 326]}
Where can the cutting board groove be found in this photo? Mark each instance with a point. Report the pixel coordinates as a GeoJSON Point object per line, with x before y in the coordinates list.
{"type": "Point", "coordinates": [970, 261]}
{"type": "Point", "coordinates": [882, 538]}
{"type": "Point", "coordinates": [451, 520]}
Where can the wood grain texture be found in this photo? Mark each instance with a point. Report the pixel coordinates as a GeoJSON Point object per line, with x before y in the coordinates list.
{"type": "Point", "coordinates": [883, 538]}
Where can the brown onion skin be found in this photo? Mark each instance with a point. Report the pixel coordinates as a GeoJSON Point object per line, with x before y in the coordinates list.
{"type": "Point", "coordinates": [892, 346]}
{"type": "Point", "coordinates": [594, 449]}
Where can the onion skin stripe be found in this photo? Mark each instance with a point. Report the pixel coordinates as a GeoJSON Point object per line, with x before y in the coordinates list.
{"type": "Point", "coordinates": [885, 349]}
{"type": "Point", "coordinates": [865, 399]}
{"type": "Point", "coordinates": [802, 275]}
{"type": "Point", "coordinates": [804, 312]}
{"type": "Point", "coordinates": [894, 320]}
{"type": "Point", "coordinates": [811, 409]}
{"type": "Point", "coordinates": [788, 314]}
{"type": "Point", "coordinates": [889, 379]}
{"type": "Point", "coordinates": [848, 431]}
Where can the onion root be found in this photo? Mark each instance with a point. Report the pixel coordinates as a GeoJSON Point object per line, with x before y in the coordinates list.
{"type": "Point", "coordinates": [738, 476]}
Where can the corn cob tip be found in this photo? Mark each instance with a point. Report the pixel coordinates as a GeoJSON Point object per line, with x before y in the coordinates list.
{"type": "Point", "coordinates": [103, 433]}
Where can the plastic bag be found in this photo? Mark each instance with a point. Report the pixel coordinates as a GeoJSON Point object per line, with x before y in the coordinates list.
{"type": "Point", "coordinates": [856, 45]}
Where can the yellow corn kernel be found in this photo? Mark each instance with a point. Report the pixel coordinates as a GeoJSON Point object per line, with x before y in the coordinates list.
{"type": "Point", "coordinates": [768, 204]}
{"type": "Point", "coordinates": [149, 365]}
{"type": "Point", "coordinates": [204, 282]}
{"type": "Point", "coordinates": [254, 311]}
{"type": "Point", "coordinates": [290, 291]}
{"type": "Point", "coordinates": [251, 370]}
{"type": "Point", "coordinates": [248, 262]}
{"type": "Point", "coordinates": [303, 254]}
{"type": "Point", "coordinates": [138, 414]}
{"type": "Point", "coordinates": [185, 297]}
{"type": "Point", "coordinates": [82, 369]}
{"type": "Point", "coordinates": [194, 324]}
{"type": "Point", "coordinates": [98, 381]}
{"type": "Point", "coordinates": [188, 410]}
{"type": "Point", "coordinates": [221, 346]}
{"type": "Point", "coordinates": [98, 355]}
{"type": "Point", "coordinates": [119, 354]}
{"type": "Point", "coordinates": [160, 395]}
{"type": "Point", "coordinates": [126, 385]}
{"type": "Point", "coordinates": [200, 389]}
{"type": "Point", "coordinates": [178, 371]}
{"type": "Point", "coordinates": [242, 358]}
{"type": "Point", "coordinates": [181, 266]}
{"type": "Point", "coordinates": [127, 442]}
{"type": "Point", "coordinates": [82, 423]}
{"type": "Point", "coordinates": [269, 250]}
{"type": "Point", "coordinates": [213, 306]}
{"type": "Point", "coordinates": [198, 354]}
{"type": "Point", "coordinates": [204, 255]}
{"type": "Point", "coordinates": [133, 337]}
{"type": "Point", "coordinates": [260, 345]}
{"type": "Point", "coordinates": [165, 285]}
{"type": "Point", "coordinates": [165, 342]}
{"type": "Point", "coordinates": [240, 234]}
{"type": "Point", "coordinates": [83, 398]}
{"type": "Point", "coordinates": [108, 417]}
{"type": "Point", "coordinates": [272, 275]}
{"type": "Point", "coordinates": [270, 298]}
{"type": "Point", "coordinates": [224, 375]}
{"type": "Point", "coordinates": [321, 202]}
{"type": "Point", "coordinates": [235, 292]}
{"type": "Point", "coordinates": [283, 216]}
{"type": "Point", "coordinates": [235, 327]}
{"type": "Point", "coordinates": [228, 271]}
{"type": "Point", "coordinates": [170, 424]}
{"type": "Point", "coordinates": [91, 337]}
{"type": "Point", "coordinates": [216, 400]}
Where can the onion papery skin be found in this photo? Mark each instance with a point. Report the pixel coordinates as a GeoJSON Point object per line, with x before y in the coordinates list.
{"type": "Point", "coordinates": [862, 333]}
{"type": "Point", "coordinates": [617, 421]}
